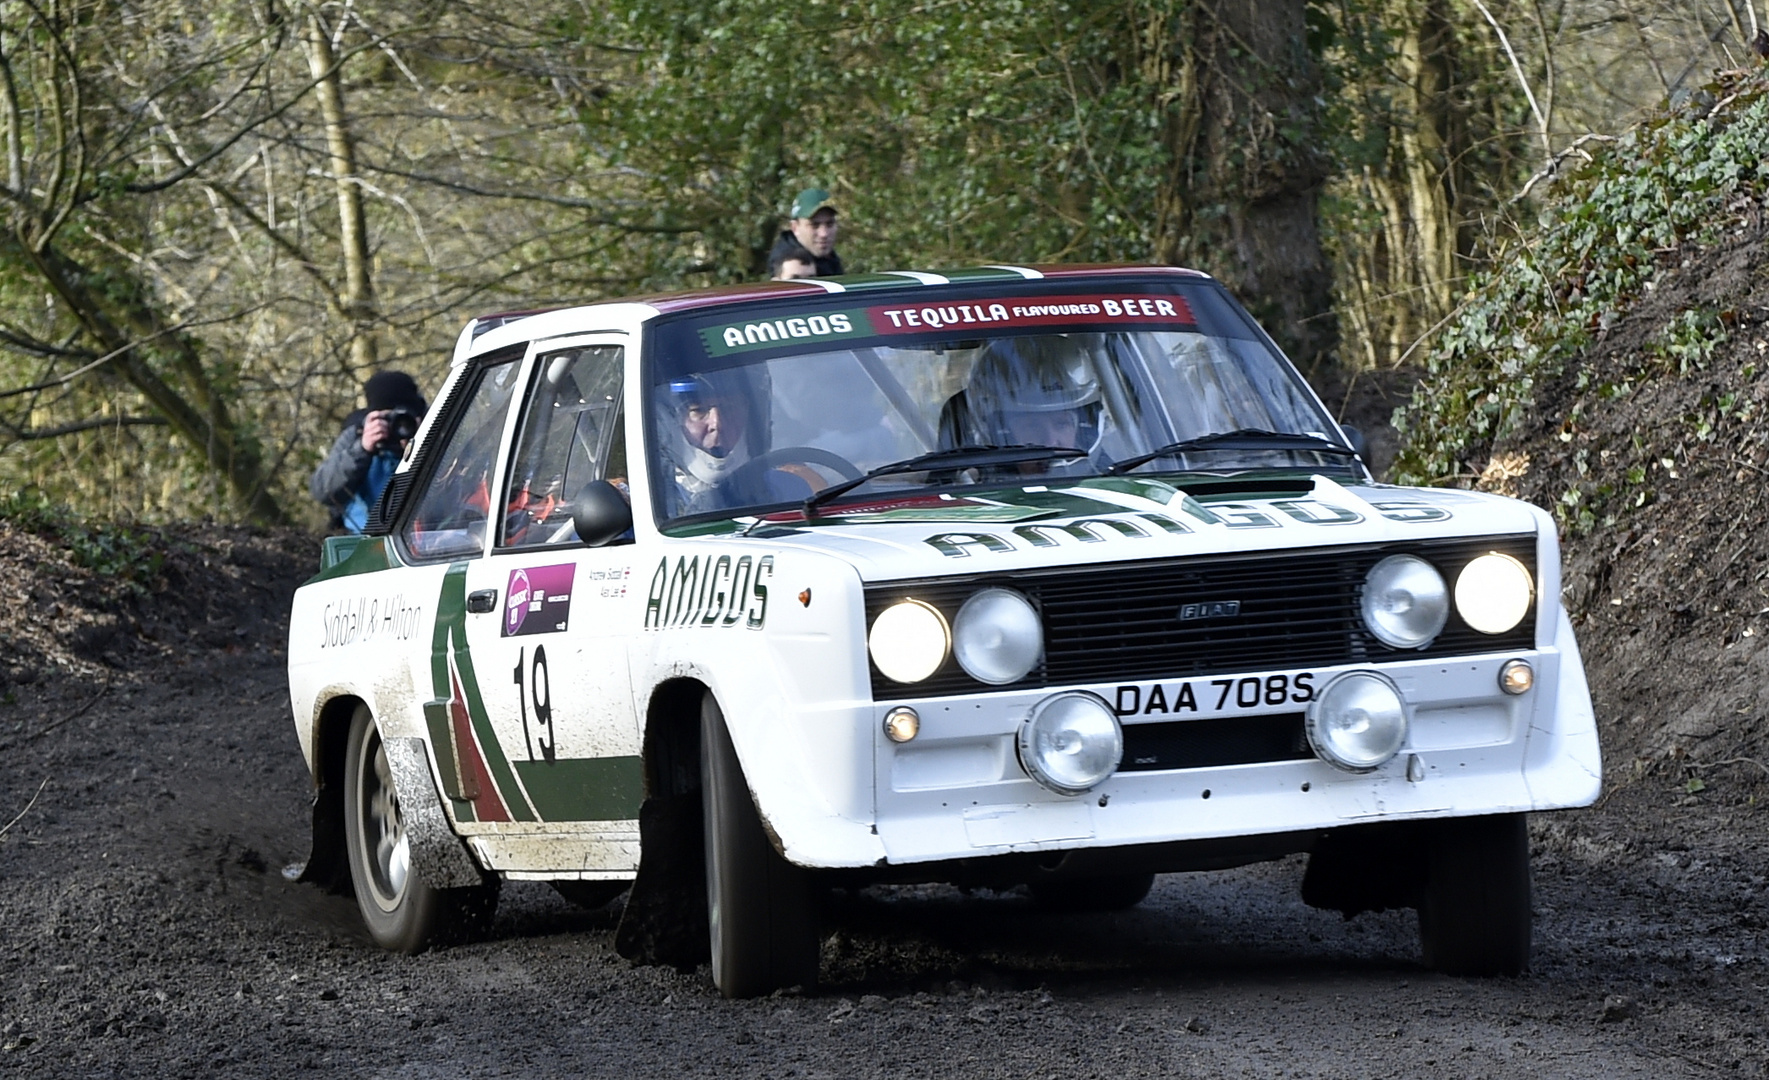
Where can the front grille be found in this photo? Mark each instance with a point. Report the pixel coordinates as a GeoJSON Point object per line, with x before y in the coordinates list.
{"type": "Point", "coordinates": [1121, 623]}
{"type": "Point", "coordinates": [1209, 744]}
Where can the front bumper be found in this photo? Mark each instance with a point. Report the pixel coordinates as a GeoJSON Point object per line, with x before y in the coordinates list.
{"type": "Point", "coordinates": [958, 792]}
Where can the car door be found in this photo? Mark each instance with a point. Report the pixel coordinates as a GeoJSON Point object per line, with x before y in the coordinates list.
{"type": "Point", "coordinates": [446, 531]}
{"type": "Point", "coordinates": [547, 612]}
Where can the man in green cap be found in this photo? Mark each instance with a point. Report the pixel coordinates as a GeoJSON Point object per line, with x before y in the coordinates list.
{"type": "Point", "coordinates": [813, 227]}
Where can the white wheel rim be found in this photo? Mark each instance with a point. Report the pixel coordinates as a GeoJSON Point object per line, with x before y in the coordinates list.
{"type": "Point", "coordinates": [386, 847]}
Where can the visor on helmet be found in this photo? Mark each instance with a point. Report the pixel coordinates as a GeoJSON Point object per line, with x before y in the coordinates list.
{"type": "Point", "coordinates": [1022, 385]}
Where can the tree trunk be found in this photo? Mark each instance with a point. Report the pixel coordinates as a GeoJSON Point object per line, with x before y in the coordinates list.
{"type": "Point", "coordinates": [1425, 53]}
{"type": "Point", "coordinates": [1425, 188]}
{"type": "Point", "coordinates": [359, 301]}
{"type": "Point", "coordinates": [1247, 168]}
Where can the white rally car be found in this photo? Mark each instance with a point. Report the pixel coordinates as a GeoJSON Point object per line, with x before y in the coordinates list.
{"type": "Point", "coordinates": [1059, 577]}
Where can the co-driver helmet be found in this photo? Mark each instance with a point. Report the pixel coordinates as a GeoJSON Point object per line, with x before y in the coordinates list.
{"type": "Point", "coordinates": [1018, 386]}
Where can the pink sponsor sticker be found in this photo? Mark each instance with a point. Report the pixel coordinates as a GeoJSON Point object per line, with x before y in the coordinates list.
{"type": "Point", "coordinates": [538, 600]}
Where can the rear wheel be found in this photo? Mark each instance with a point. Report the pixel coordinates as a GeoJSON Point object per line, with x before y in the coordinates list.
{"type": "Point", "coordinates": [761, 909]}
{"type": "Point", "coordinates": [1107, 892]}
{"type": "Point", "coordinates": [401, 912]}
{"type": "Point", "coordinates": [1474, 913]}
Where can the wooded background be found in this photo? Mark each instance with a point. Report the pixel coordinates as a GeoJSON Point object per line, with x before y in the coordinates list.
{"type": "Point", "coordinates": [220, 217]}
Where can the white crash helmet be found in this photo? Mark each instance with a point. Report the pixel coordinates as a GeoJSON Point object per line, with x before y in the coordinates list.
{"type": "Point", "coordinates": [1026, 377]}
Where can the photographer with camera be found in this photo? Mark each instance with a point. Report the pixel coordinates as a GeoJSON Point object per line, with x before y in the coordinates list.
{"type": "Point", "coordinates": [366, 452]}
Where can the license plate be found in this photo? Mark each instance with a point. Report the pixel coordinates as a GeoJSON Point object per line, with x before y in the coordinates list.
{"type": "Point", "coordinates": [1216, 697]}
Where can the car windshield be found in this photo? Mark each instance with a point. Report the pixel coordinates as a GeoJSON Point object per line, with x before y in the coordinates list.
{"type": "Point", "coordinates": [755, 415]}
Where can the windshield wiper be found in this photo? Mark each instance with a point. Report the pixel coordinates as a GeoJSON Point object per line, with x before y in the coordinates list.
{"type": "Point", "coordinates": [958, 457]}
{"type": "Point", "coordinates": [1239, 439]}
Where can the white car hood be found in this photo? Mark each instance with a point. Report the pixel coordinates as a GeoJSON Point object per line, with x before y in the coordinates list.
{"type": "Point", "coordinates": [1108, 519]}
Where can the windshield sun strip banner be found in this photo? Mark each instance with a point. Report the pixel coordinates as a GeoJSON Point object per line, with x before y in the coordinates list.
{"type": "Point", "coordinates": [1164, 311]}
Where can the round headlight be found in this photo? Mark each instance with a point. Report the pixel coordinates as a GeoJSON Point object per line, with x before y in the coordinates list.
{"type": "Point", "coordinates": [1357, 722]}
{"type": "Point", "coordinates": [1493, 593]}
{"type": "Point", "coordinates": [909, 641]}
{"type": "Point", "coordinates": [1405, 601]}
{"type": "Point", "coordinates": [1071, 742]}
{"type": "Point", "coordinates": [997, 636]}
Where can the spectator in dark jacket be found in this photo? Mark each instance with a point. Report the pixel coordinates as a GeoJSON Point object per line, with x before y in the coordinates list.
{"type": "Point", "coordinates": [366, 452]}
{"type": "Point", "coordinates": [789, 262]}
{"type": "Point", "coordinates": [813, 227]}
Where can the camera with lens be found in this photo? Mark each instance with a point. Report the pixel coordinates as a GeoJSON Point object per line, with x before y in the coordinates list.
{"type": "Point", "coordinates": [402, 424]}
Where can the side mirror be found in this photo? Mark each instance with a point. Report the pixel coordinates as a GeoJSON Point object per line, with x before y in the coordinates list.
{"type": "Point", "coordinates": [601, 514]}
{"type": "Point", "coordinates": [1357, 441]}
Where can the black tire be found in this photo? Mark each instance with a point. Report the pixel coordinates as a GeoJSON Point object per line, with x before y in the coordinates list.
{"type": "Point", "coordinates": [1107, 892]}
{"type": "Point", "coordinates": [1474, 912]}
{"type": "Point", "coordinates": [402, 913]}
{"type": "Point", "coordinates": [761, 909]}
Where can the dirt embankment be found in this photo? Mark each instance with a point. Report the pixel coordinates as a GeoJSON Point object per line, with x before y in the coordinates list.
{"type": "Point", "coordinates": [1655, 445]}
{"type": "Point", "coordinates": [97, 604]}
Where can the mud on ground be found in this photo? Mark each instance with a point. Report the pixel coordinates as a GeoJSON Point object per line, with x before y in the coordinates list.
{"type": "Point", "coordinates": [152, 793]}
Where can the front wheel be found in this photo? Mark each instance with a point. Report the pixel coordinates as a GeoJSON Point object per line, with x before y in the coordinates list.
{"type": "Point", "coordinates": [1474, 913]}
{"type": "Point", "coordinates": [402, 913]}
{"type": "Point", "coordinates": [761, 909]}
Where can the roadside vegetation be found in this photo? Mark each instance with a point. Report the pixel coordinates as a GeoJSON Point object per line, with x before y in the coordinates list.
{"type": "Point", "coordinates": [219, 219]}
{"type": "Point", "coordinates": [1614, 367]}
{"type": "Point", "coordinates": [1686, 181]}
{"type": "Point", "coordinates": [128, 558]}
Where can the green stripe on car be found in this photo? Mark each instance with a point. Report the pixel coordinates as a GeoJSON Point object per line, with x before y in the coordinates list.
{"type": "Point", "coordinates": [584, 789]}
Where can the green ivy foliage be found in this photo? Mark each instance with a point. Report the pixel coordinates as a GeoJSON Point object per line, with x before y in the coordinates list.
{"type": "Point", "coordinates": [123, 555]}
{"type": "Point", "coordinates": [1687, 174]}
{"type": "Point", "coordinates": [949, 133]}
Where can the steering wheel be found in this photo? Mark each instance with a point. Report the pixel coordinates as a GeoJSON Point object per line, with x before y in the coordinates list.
{"type": "Point", "coordinates": [750, 471]}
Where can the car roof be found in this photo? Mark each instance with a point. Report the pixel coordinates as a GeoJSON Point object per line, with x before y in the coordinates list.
{"type": "Point", "coordinates": [493, 331]}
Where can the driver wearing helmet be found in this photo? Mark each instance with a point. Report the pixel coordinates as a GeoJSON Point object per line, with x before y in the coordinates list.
{"type": "Point", "coordinates": [1035, 391]}
{"type": "Point", "coordinates": [715, 434]}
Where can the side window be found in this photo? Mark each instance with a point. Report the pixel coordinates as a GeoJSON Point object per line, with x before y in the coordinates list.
{"type": "Point", "coordinates": [573, 433]}
{"type": "Point", "coordinates": [450, 515]}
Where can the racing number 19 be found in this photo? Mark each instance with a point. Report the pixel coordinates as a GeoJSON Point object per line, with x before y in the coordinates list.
{"type": "Point", "coordinates": [538, 688]}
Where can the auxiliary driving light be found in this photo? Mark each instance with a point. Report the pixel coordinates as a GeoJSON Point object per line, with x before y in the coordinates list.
{"type": "Point", "coordinates": [909, 641]}
{"type": "Point", "coordinates": [1071, 742]}
{"type": "Point", "coordinates": [1358, 721]}
{"type": "Point", "coordinates": [997, 636]}
{"type": "Point", "coordinates": [1405, 601]}
{"type": "Point", "coordinates": [1516, 677]}
{"type": "Point", "coordinates": [902, 724]}
{"type": "Point", "coordinates": [1493, 593]}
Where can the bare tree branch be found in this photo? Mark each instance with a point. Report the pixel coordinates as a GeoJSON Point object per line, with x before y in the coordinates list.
{"type": "Point", "coordinates": [573, 201]}
{"type": "Point", "coordinates": [96, 422]}
{"type": "Point", "coordinates": [1522, 80]}
{"type": "Point", "coordinates": [233, 138]}
{"type": "Point", "coordinates": [1677, 84]}
{"type": "Point", "coordinates": [1645, 45]}
{"type": "Point", "coordinates": [15, 160]}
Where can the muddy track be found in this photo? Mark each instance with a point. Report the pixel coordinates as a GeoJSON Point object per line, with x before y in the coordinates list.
{"type": "Point", "coordinates": [152, 801]}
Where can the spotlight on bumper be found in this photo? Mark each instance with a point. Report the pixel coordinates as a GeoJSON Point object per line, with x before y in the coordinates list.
{"type": "Point", "coordinates": [1070, 742]}
{"type": "Point", "coordinates": [1358, 721]}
